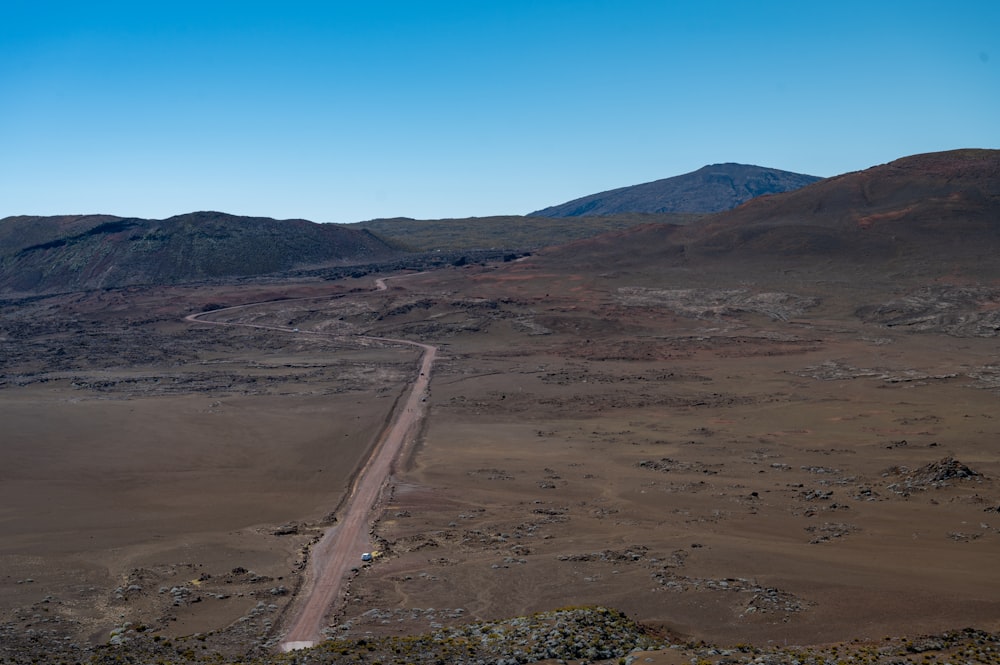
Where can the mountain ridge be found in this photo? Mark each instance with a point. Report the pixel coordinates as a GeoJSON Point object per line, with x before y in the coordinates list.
{"type": "Point", "coordinates": [919, 205]}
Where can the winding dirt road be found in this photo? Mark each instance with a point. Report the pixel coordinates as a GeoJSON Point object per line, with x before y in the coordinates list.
{"type": "Point", "coordinates": [340, 548]}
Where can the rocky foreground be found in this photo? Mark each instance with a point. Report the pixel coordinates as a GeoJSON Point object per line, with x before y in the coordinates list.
{"type": "Point", "coordinates": [572, 635]}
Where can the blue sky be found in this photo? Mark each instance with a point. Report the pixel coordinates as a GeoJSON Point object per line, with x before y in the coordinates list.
{"type": "Point", "coordinates": [343, 111]}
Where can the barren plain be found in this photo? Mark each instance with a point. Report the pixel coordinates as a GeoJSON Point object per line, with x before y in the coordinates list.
{"type": "Point", "coordinates": [763, 459]}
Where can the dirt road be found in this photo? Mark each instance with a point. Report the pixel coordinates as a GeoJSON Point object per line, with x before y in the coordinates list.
{"type": "Point", "coordinates": [340, 548]}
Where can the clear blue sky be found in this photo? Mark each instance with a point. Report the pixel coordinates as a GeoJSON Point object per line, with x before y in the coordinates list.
{"type": "Point", "coordinates": [341, 111]}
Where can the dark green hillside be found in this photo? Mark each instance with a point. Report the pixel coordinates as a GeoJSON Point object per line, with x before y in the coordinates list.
{"type": "Point", "coordinates": [49, 254]}
{"type": "Point", "coordinates": [506, 232]}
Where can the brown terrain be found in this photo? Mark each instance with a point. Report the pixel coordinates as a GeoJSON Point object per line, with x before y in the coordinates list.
{"type": "Point", "coordinates": [731, 432]}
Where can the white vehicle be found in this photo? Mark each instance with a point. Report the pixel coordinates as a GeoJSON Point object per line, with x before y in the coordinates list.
{"type": "Point", "coordinates": [367, 556]}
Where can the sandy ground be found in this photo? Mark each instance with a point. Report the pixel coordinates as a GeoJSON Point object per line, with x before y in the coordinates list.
{"type": "Point", "coordinates": [336, 555]}
{"type": "Point", "coordinates": [730, 477]}
{"type": "Point", "coordinates": [179, 495]}
{"type": "Point", "coordinates": [734, 479]}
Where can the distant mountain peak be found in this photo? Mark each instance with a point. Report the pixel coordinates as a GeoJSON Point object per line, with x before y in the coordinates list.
{"type": "Point", "coordinates": [712, 188]}
{"type": "Point", "coordinates": [929, 214]}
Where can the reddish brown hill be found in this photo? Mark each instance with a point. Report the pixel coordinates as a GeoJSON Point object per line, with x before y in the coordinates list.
{"type": "Point", "coordinates": [926, 207]}
{"type": "Point", "coordinates": [950, 196]}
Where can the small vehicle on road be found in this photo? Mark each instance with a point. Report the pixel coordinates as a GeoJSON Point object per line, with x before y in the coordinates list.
{"type": "Point", "coordinates": [367, 556]}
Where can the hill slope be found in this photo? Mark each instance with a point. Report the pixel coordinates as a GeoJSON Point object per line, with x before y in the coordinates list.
{"type": "Point", "coordinates": [46, 254]}
{"type": "Point", "coordinates": [709, 189]}
{"type": "Point", "coordinates": [937, 209]}
{"type": "Point", "coordinates": [934, 204]}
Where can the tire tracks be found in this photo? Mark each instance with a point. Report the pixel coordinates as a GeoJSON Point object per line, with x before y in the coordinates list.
{"type": "Point", "coordinates": [339, 550]}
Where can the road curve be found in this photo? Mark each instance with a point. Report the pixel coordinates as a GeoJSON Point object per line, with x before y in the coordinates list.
{"type": "Point", "coordinates": [339, 550]}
